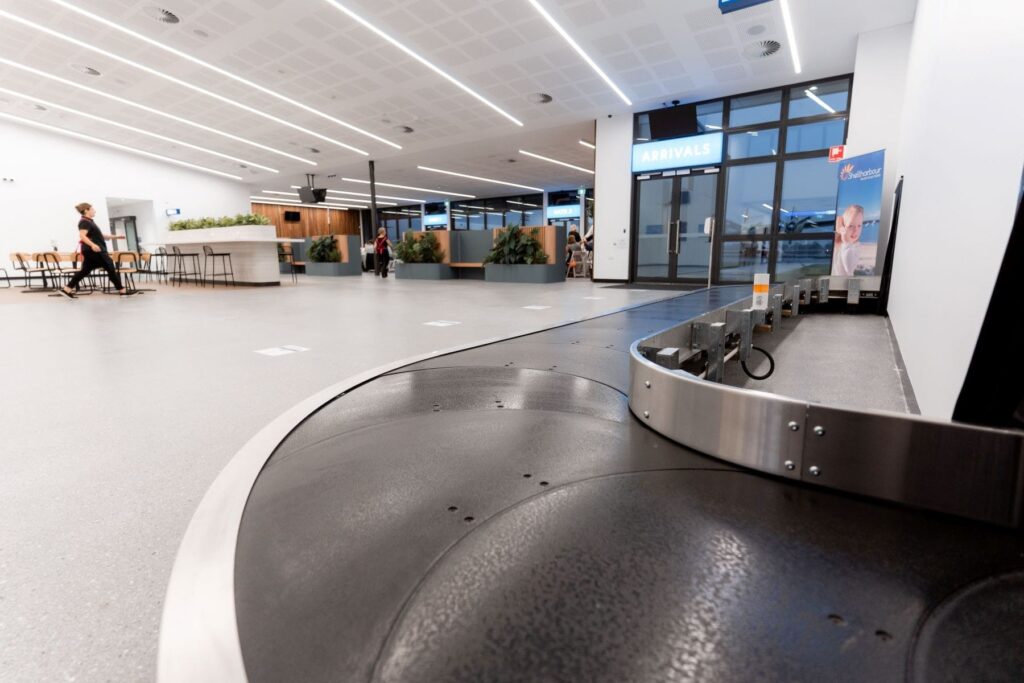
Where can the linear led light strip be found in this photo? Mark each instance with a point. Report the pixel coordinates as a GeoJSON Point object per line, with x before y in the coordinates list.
{"type": "Point", "coordinates": [108, 143]}
{"type": "Point", "coordinates": [474, 177]}
{"type": "Point", "coordinates": [175, 141]}
{"type": "Point", "coordinates": [440, 72]}
{"type": "Point", "coordinates": [409, 187]}
{"type": "Point", "coordinates": [588, 144]}
{"type": "Point", "coordinates": [195, 60]}
{"type": "Point", "coordinates": [536, 206]}
{"type": "Point", "coordinates": [364, 194]}
{"type": "Point", "coordinates": [289, 202]}
{"type": "Point", "coordinates": [555, 161]}
{"type": "Point", "coordinates": [151, 110]}
{"type": "Point", "coordinates": [579, 50]}
{"type": "Point", "coordinates": [337, 199]}
{"type": "Point", "coordinates": [790, 34]}
{"type": "Point", "coordinates": [172, 79]}
{"type": "Point", "coordinates": [820, 102]}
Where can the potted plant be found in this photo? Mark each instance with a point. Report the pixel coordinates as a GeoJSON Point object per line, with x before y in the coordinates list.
{"type": "Point", "coordinates": [420, 257]}
{"type": "Point", "coordinates": [324, 257]}
{"type": "Point", "coordinates": [222, 222]}
{"type": "Point", "coordinates": [518, 256]}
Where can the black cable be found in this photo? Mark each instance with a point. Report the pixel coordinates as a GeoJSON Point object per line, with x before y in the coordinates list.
{"type": "Point", "coordinates": [771, 365]}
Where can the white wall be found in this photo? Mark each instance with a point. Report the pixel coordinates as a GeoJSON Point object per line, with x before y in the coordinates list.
{"type": "Point", "coordinates": [53, 172]}
{"type": "Point", "coordinates": [961, 154]}
{"type": "Point", "coordinates": [876, 109]}
{"type": "Point", "coordinates": [613, 188]}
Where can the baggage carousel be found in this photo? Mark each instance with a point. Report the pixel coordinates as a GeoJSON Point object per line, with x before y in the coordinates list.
{"type": "Point", "coordinates": [499, 514]}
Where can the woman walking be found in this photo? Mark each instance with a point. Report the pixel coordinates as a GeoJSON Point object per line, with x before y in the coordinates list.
{"type": "Point", "coordinates": [381, 255]}
{"type": "Point", "coordinates": [94, 253]}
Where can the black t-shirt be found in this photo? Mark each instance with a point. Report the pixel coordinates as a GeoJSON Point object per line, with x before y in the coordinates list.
{"type": "Point", "coordinates": [94, 235]}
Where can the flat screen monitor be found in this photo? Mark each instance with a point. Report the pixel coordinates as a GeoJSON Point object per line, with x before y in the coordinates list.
{"type": "Point", "coordinates": [292, 216]}
{"type": "Point", "coordinates": [674, 122]}
{"type": "Point", "coordinates": [311, 195]}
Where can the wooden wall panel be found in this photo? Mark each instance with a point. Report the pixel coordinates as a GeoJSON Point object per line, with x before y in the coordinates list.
{"type": "Point", "coordinates": [313, 222]}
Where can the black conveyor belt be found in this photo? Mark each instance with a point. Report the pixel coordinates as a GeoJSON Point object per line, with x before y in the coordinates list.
{"type": "Point", "coordinates": [498, 515]}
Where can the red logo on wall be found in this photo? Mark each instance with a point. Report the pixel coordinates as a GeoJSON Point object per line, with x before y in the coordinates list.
{"type": "Point", "coordinates": [836, 153]}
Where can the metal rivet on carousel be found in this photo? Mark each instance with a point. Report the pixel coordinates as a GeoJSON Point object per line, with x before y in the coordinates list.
{"type": "Point", "coordinates": [819, 430]}
{"type": "Point", "coordinates": [794, 426]}
{"type": "Point", "coordinates": [814, 471]}
{"type": "Point", "coordinates": [789, 465]}
{"type": "Point", "coordinates": [647, 384]}
{"type": "Point", "coordinates": [647, 414]}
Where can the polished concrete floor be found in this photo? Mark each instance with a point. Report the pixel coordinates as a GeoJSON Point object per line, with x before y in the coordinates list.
{"type": "Point", "coordinates": [117, 414]}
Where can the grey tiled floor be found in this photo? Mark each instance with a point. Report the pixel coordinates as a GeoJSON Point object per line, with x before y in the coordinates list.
{"type": "Point", "coordinates": [117, 414]}
{"type": "Point", "coordinates": [843, 360]}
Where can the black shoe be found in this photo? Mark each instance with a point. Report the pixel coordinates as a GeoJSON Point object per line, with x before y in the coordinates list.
{"type": "Point", "coordinates": [65, 294]}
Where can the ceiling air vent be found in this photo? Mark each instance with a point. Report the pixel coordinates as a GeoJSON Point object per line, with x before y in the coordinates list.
{"type": "Point", "coordinates": [403, 129]}
{"type": "Point", "coordinates": [762, 48]}
{"type": "Point", "coordinates": [162, 15]}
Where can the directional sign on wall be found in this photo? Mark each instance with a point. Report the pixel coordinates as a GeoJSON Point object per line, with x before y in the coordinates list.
{"type": "Point", "coordinates": [732, 5]}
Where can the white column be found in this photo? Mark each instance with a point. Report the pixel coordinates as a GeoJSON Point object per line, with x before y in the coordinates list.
{"type": "Point", "coordinates": [613, 189]}
{"type": "Point", "coordinates": [961, 154]}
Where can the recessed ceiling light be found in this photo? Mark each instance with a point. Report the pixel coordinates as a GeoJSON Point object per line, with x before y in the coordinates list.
{"type": "Point", "coordinates": [579, 50]}
{"type": "Point", "coordinates": [540, 98]}
{"type": "Point", "coordinates": [88, 70]}
{"type": "Point", "coordinates": [440, 72]}
{"type": "Point", "coordinates": [588, 144]}
{"type": "Point", "coordinates": [162, 15]}
{"type": "Point", "coordinates": [108, 143]}
{"type": "Point", "coordinates": [151, 110]}
{"type": "Point", "coordinates": [196, 60]}
{"type": "Point", "coordinates": [790, 34]}
{"type": "Point", "coordinates": [410, 187]}
{"type": "Point", "coordinates": [473, 177]}
{"type": "Point", "coordinates": [123, 126]}
{"type": "Point", "coordinates": [555, 161]}
{"type": "Point", "coordinates": [756, 30]}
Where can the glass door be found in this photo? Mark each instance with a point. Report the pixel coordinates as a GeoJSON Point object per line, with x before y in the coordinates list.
{"type": "Point", "coordinates": [675, 226]}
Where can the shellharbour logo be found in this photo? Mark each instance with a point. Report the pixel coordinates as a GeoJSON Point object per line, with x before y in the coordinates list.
{"type": "Point", "coordinates": [847, 172]}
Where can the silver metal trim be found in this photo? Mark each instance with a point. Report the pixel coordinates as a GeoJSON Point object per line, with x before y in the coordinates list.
{"type": "Point", "coordinates": [198, 629]}
{"type": "Point", "coordinates": [963, 470]}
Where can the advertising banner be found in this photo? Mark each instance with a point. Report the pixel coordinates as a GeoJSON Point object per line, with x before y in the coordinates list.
{"type": "Point", "coordinates": [858, 215]}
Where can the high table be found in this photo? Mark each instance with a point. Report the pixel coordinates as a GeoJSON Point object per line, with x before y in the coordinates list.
{"type": "Point", "coordinates": [253, 249]}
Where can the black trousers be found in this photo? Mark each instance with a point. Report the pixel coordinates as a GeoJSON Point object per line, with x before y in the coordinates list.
{"type": "Point", "coordinates": [380, 264]}
{"type": "Point", "coordinates": [91, 261]}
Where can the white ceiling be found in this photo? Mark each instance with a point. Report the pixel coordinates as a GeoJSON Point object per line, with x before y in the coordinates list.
{"type": "Point", "coordinates": [654, 50]}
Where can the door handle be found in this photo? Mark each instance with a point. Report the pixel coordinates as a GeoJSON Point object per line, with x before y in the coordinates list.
{"type": "Point", "coordinates": [673, 236]}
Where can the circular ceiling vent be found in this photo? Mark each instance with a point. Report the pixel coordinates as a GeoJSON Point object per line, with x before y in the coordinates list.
{"type": "Point", "coordinates": [762, 48]}
{"type": "Point", "coordinates": [403, 129]}
{"type": "Point", "coordinates": [756, 30]}
{"type": "Point", "coordinates": [88, 70]}
{"type": "Point", "coordinates": [162, 15]}
{"type": "Point", "coordinates": [540, 98]}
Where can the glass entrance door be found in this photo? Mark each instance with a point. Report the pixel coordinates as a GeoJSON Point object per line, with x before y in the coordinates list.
{"type": "Point", "coordinates": [675, 224]}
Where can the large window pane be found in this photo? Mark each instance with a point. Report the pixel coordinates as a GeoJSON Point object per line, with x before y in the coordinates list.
{"type": "Point", "coordinates": [740, 260]}
{"type": "Point", "coordinates": [803, 258]}
{"type": "Point", "coordinates": [476, 220]}
{"type": "Point", "coordinates": [754, 143]}
{"type": "Point", "coordinates": [812, 136]}
{"type": "Point", "coordinates": [809, 189]}
{"type": "Point", "coordinates": [750, 191]}
{"type": "Point", "coordinates": [709, 116]}
{"type": "Point", "coordinates": [746, 111]}
{"type": "Point", "coordinates": [822, 98]}
{"type": "Point", "coordinates": [653, 218]}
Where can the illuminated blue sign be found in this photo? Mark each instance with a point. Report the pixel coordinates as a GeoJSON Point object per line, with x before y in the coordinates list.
{"type": "Point", "coordinates": [732, 5]}
{"type": "Point", "coordinates": [695, 150]}
{"type": "Point", "coordinates": [436, 219]}
{"type": "Point", "coordinates": [564, 211]}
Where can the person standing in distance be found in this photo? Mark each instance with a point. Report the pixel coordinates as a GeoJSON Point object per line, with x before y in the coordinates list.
{"type": "Point", "coordinates": [94, 253]}
{"type": "Point", "coordinates": [381, 255]}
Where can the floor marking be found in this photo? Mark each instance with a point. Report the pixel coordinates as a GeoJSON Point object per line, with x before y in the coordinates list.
{"type": "Point", "coordinates": [443, 323]}
{"type": "Point", "coordinates": [281, 350]}
{"type": "Point", "coordinates": [535, 308]}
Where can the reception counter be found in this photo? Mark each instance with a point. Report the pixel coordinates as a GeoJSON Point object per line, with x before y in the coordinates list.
{"type": "Point", "coordinates": [253, 249]}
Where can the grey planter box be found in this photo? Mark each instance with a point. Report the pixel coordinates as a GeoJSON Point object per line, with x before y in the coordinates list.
{"type": "Point", "coordinates": [495, 272]}
{"type": "Point", "coordinates": [328, 269]}
{"type": "Point", "coordinates": [423, 271]}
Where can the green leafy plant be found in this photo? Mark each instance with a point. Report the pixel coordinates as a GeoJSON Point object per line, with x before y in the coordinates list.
{"type": "Point", "coordinates": [426, 249]}
{"type": "Point", "coordinates": [222, 222]}
{"type": "Point", "coordinates": [513, 247]}
{"type": "Point", "coordinates": [324, 250]}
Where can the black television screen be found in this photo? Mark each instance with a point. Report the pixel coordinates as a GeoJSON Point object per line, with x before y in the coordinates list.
{"type": "Point", "coordinates": [292, 216]}
{"type": "Point", "coordinates": [311, 195]}
{"type": "Point", "coordinates": [674, 122]}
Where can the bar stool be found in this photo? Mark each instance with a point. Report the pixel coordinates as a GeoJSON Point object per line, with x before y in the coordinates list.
{"type": "Point", "coordinates": [181, 267]}
{"type": "Point", "coordinates": [227, 270]}
{"type": "Point", "coordinates": [6, 277]}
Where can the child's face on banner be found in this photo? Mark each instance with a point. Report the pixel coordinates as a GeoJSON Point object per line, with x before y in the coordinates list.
{"type": "Point", "coordinates": [850, 225]}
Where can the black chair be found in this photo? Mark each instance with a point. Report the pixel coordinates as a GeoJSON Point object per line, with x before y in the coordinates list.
{"type": "Point", "coordinates": [185, 266]}
{"type": "Point", "coordinates": [226, 269]}
{"type": "Point", "coordinates": [6, 277]}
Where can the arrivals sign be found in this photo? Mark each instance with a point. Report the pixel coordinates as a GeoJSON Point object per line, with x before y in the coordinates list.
{"type": "Point", "coordinates": [695, 150]}
{"type": "Point", "coordinates": [858, 215]}
{"type": "Point", "coordinates": [435, 219]}
{"type": "Point", "coordinates": [564, 211]}
{"type": "Point", "coordinates": [732, 5]}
